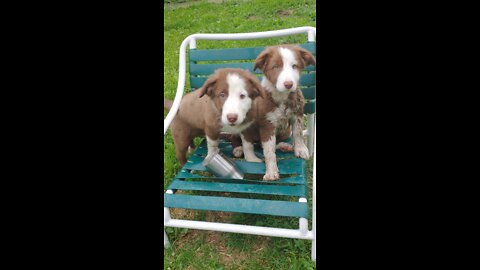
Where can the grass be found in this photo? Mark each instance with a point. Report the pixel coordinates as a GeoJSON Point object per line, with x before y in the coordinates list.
{"type": "Point", "coordinates": [194, 249]}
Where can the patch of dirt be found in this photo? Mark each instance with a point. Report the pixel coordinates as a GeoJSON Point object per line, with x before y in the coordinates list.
{"type": "Point", "coordinates": [233, 257]}
{"type": "Point", "coordinates": [252, 17]}
{"type": "Point", "coordinates": [191, 3]}
{"type": "Point", "coordinates": [285, 13]}
{"type": "Point", "coordinates": [179, 213]}
{"type": "Point", "coordinates": [222, 217]}
{"type": "Point", "coordinates": [261, 243]}
{"type": "Point", "coordinates": [228, 257]}
{"type": "Point", "coordinates": [187, 238]}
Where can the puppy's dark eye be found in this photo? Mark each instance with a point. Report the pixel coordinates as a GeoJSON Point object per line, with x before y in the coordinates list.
{"type": "Point", "coordinates": [294, 66]}
{"type": "Point", "coordinates": [222, 94]}
{"type": "Point", "coordinates": [242, 96]}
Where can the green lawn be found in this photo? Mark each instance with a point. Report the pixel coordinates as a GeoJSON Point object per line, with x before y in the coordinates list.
{"type": "Point", "coordinates": [193, 249]}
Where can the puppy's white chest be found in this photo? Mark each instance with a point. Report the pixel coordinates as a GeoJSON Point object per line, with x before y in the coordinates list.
{"type": "Point", "coordinates": [280, 116]}
{"type": "Point", "coordinates": [236, 129]}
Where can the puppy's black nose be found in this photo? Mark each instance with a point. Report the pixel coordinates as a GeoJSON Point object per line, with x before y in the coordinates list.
{"type": "Point", "coordinates": [288, 84]}
{"type": "Point", "coordinates": [232, 117]}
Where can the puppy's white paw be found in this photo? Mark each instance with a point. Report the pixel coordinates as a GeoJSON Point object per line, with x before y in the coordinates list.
{"type": "Point", "coordinates": [301, 151]}
{"type": "Point", "coordinates": [237, 151]}
{"type": "Point", "coordinates": [285, 147]}
{"type": "Point", "coordinates": [270, 176]}
{"type": "Point", "coordinates": [253, 159]}
{"type": "Point", "coordinates": [190, 150]}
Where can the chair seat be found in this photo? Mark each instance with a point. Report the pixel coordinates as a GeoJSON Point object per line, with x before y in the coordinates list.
{"type": "Point", "coordinates": [283, 193]}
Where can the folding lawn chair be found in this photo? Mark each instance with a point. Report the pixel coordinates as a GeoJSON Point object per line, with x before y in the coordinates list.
{"type": "Point", "coordinates": [293, 170]}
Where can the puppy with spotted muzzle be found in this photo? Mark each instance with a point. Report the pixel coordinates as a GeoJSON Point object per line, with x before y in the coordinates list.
{"type": "Point", "coordinates": [281, 111]}
{"type": "Point", "coordinates": [223, 103]}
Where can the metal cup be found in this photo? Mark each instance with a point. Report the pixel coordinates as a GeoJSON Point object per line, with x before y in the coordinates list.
{"type": "Point", "coordinates": [221, 166]}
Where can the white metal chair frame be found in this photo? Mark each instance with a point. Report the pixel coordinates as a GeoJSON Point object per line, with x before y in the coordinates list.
{"type": "Point", "coordinates": [302, 232]}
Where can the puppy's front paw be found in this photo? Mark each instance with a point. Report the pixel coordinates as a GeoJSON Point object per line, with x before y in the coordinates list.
{"type": "Point", "coordinates": [237, 151]}
{"type": "Point", "coordinates": [285, 147]}
{"type": "Point", "coordinates": [253, 159]}
{"type": "Point", "coordinates": [270, 176]}
{"type": "Point", "coordinates": [301, 151]}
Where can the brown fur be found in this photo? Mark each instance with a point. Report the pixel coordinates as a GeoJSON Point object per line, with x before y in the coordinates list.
{"type": "Point", "coordinates": [200, 111]}
{"type": "Point", "coordinates": [270, 62]}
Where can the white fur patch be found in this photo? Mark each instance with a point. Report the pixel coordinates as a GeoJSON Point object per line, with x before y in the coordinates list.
{"type": "Point", "coordinates": [271, 172]}
{"type": "Point", "coordinates": [234, 103]}
{"type": "Point", "coordinates": [288, 73]}
{"type": "Point", "coordinates": [248, 151]}
{"type": "Point", "coordinates": [238, 151]}
{"type": "Point", "coordinates": [285, 147]}
{"type": "Point", "coordinates": [299, 146]}
{"type": "Point", "coordinates": [301, 151]}
{"type": "Point", "coordinates": [237, 129]}
{"type": "Point", "coordinates": [278, 97]}
{"type": "Point", "coordinates": [280, 117]}
{"type": "Point", "coordinates": [212, 146]}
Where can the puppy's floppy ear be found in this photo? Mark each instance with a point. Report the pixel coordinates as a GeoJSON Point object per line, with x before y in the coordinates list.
{"type": "Point", "coordinates": [307, 56]}
{"type": "Point", "coordinates": [207, 87]}
{"type": "Point", "coordinates": [261, 60]}
{"type": "Point", "coordinates": [256, 85]}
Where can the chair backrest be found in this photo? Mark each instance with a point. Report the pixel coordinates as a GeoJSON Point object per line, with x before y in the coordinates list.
{"type": "Point", "coordinates": [202, 63]}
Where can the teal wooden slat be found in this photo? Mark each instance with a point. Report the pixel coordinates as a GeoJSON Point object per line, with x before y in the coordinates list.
{"type": "Point", "coordinates": [197, 82]}
{"type": "Point", "coordinates": [222, 144]}
{"type": "Point", "coordinates": [305, 80]}
{"type": "Point", "coordinates": [226, 144]}
{"type": "Point", "coordinates": [236, 53]}
{"type": "Point", "coordinates": [207, 69]}
{"type": "Point", "coordinates": [238, 205]}
{"type": "Point", "coordinates": [297, 180]}
{"type": "Point", "coordinates": [203, 150]}
{"type": "Point", "coordinates": [225, 54]}
{"type": "Point", "coordinates": [299, 191]}
{"type": "Point", "coordinates": [227, 151]}
{"type": "Point", "coordinates": [226, 148]}
{"type": "Point", "coordinates": [310, 46]}
{"type": "Point", "coordinates": [310, 68]}
{"type": "Point", "coordinates": [309, 107]}
{"type": "Point", "coordinates": [285, 166]}
{"type": "Point", "coordinates": [308, 79]}
{"type": "Point", "coordinates": [309, 92]}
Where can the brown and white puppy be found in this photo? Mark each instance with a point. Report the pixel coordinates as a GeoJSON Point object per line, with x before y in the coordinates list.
{"type": "Point", "coordinates": [282, 108]}
{"type": "Point", "coordinates": [223, 103]}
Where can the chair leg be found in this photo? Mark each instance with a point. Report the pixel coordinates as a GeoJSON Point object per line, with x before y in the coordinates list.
{"type": "Point", "coordinates": [314, 229]}
{"type": "Point", "coordinates": [310, 128]}
{"type": "Point", "coordinates": [166, 218]}
{"type": "Point", "coordinates": [166, 243]}
{"type": "Point", "coordinates": [314, 206]}
{"type": "Point", "coordinates": [314, 250]}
